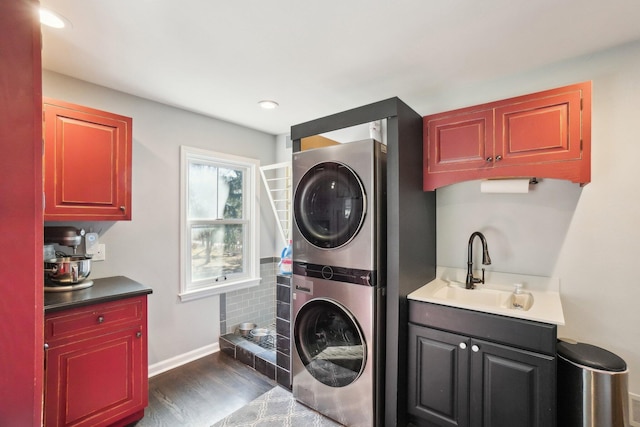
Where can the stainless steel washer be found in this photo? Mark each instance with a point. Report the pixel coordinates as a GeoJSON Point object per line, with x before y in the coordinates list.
{"type": "Point", "coordinates": [337, 349]}
{"type": "Point", "coordinates": [339, 205]}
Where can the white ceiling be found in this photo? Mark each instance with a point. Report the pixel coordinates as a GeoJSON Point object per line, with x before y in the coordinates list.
{"type": "Point", "coordinates": [219, 58]}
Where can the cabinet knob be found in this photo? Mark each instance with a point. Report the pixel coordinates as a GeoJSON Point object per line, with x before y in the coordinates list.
{"type": "Point", "coordinates": [498, 158]}
{"type": "Point", "coordinates": [123, 208]}
{"type": "Point", "coordinates": [463, 345]}
{"type": "Point", "coordinates": [475, 348]}
{"type": "Point", "coordinates": [138, 334]}
{"type": "Point", "coordinates": [489, 159]}
{"type": "Point", "coordinates": [100, 319]}
{"type": "Point", "coordinates": [46, 346]}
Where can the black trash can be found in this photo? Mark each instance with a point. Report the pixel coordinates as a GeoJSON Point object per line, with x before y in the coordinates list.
{"type": "Point", "coordinates": [592, 387]}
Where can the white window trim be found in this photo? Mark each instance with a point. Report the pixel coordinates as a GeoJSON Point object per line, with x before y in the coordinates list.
{"type": "Point", "coordinates": [252, 253]}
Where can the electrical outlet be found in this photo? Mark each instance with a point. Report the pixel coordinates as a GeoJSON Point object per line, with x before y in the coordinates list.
{"type": "Point", "coordinates": [99, 253]}
{"type": "Point", "coordinates": [90, 242]}
{"type": "Point", "coordinates": [634, 409]}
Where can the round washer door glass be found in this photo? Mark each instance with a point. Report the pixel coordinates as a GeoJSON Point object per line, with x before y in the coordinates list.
{"type": "Point", "coordinates": [329, 205]}
{"type": "Point", "coordinates": [330, 343]}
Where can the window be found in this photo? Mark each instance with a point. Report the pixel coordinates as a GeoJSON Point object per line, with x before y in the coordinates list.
{"type": "Point", "coordinates": [218, 223]}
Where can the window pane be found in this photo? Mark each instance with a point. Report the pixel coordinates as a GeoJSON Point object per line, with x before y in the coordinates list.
{"type": "Point", "coordinates": [216, 251]}
{"type": "Point", "coordinates": [203, 191]}
{"type": "Point", "coordinates": [215, 192]}
{"type": "Point", "coordinates": [231, 181]}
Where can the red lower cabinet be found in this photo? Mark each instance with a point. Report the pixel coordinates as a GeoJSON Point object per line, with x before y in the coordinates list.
{"type": "Point", "coordinates": [96, 364]}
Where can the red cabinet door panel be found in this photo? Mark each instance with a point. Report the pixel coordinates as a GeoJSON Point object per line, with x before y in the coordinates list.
{"type": "Point", "coordinates": [87, 163]}
{"type": "Point", "coordinates": [541, 130]}
{"type": "Point", "coordinates": [459, 142]}
{"type": "Point", "coordinates": [86, 369]}
{"type": "Point", "coordinates": [96, 381]}
{"type": "Point", "coordinates": [86, 149]}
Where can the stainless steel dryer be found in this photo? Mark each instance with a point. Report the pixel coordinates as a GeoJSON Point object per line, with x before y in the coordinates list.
{"type": "Point", "coordinates": [337, 350]}
{"type": "Point", "coordinates": [339, 206]}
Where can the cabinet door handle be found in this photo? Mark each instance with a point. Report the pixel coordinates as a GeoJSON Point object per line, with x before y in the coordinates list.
{"type": "Point", "coordinates": [46, 346]}
{"type": "Point", "coordinates": [463, 345]}
{"type": "Point", "coordinates": [100, 319]}
{"type": "Point", "coordinates": [123, 208]}
{"type": "Point", "coordinates": [475, 348]}
{"type": "Point", "coordinates": [498, 158]}
{"type": "Point", "coordinates": [138, 334]}
{"type": "Point", "coordinates": [489, 159]}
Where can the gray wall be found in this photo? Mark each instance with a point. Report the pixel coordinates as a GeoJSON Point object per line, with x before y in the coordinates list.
{"type": "Point", "coordinates": [587, 237]}
{"type": "Point", "coordinates": [146, 249]}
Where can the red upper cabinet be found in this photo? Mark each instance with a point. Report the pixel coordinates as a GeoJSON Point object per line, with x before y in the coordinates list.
{"type": "Point", "coordinates": [546, 135]}
{"type": "Point", "coordinates": [87, 163]}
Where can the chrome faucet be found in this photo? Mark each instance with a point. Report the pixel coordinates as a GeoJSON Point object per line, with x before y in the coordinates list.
{"type": "Point", "coordinates": [486, 260]}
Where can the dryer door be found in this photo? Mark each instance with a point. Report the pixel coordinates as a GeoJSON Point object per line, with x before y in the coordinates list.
{"type": "Point", "coordinates": [329, 342]}
{"type": "Point", "coordinates": [329, 205]}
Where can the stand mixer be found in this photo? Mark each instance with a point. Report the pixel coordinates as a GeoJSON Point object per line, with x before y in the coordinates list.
{"type": "Point", "coordinates": [66, 272]}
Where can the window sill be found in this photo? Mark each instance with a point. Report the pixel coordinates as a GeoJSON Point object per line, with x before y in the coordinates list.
{"type": "Point", "coordinates": [218, 289]}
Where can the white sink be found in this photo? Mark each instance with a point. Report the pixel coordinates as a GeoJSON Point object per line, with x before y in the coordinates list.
{"type": "Point", "coordinates": [483, 296]}
{"type": "Point", "coordinates": [539, 299]}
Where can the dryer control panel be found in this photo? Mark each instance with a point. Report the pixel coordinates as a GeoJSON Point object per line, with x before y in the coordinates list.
{"type": "Point", "coordinates": [336, 274]}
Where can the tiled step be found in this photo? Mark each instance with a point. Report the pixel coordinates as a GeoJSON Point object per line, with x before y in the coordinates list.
{"type": "Point", "coordinates": [261, 359]}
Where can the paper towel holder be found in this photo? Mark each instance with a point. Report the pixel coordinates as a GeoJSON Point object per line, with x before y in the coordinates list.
{"type": "Point", "coordinates": [507, 185]}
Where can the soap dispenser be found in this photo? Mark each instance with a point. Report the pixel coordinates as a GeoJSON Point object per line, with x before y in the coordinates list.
{"type": "Point", "coordinates": [518, 298]}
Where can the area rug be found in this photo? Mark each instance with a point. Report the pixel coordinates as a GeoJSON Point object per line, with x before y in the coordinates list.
{"type": "Point", "coordinates": [275, 408]}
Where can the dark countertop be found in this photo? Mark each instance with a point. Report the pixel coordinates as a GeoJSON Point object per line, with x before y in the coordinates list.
{"type": "Point", "coordinates": [103, 290]}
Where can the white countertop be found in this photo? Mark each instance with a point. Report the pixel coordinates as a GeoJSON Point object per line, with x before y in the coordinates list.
{"type": "Point", "coordinates": [546, 306]}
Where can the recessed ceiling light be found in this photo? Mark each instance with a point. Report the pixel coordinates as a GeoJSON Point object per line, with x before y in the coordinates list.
{"type": "Point", "coordinates": [268, 105]}
{"type": "Point", "coordinates": [52, 19]}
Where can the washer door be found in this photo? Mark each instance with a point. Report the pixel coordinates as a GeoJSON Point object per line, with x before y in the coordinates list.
{"type": "Point", "coordinates": [329, 205]}
{"type": "Point", "coordinates": [329, 342]}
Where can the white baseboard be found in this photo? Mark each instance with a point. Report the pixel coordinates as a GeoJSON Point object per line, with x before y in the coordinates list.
{"type": "Point", "coordinates": [174, 362]}
{"type": "Point", "coordinates": [634, 409]}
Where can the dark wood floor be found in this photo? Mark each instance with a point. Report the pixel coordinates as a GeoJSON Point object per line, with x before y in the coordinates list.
{"type": "Point", "coordinates": [202, 392]}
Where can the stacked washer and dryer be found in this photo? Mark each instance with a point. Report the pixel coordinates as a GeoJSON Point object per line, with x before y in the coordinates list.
{"type": "Point", "coordinates": [339, 259]}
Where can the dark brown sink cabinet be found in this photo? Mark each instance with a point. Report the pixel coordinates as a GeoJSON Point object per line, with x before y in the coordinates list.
{"type": "Point", "coordinates": [476, 369]}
